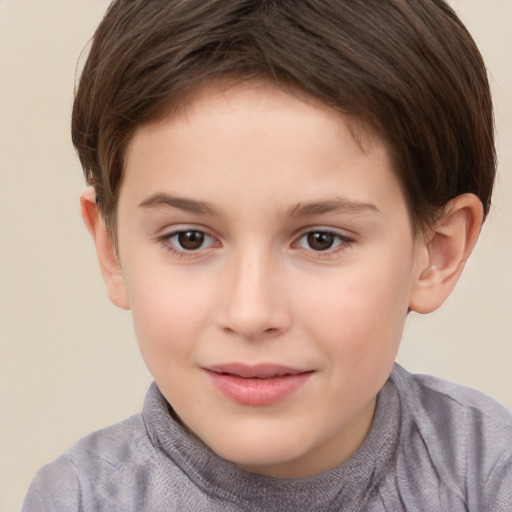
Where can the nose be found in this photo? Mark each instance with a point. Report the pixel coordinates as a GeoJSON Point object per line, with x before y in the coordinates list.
{"type": "Point", "coordinates": [254, 302]}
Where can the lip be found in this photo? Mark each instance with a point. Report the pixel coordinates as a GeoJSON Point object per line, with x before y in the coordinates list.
{"type": "Point", "coordinates": [258, 385]}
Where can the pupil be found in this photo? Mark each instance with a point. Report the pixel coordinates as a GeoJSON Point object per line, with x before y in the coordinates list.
{"type": "Point", "coordinates": [191, 240]}
{"type": "Point", "coordinates": [320, 241]}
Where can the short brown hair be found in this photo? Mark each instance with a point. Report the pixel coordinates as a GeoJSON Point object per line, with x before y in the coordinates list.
{"type": "Point", "coordinates": [407, 68]}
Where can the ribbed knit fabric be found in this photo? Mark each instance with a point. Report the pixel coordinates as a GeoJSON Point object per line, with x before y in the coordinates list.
{"type": "Point", "coordinates": [433, 447]}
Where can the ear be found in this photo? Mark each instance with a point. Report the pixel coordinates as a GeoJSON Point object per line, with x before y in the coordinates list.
{"type": "Point", "coordinates": [107, 256]}
{"type": "Point", "coordinates": [446, 248]}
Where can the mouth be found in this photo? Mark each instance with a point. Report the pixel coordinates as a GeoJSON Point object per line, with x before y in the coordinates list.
{"type": "Point", "coordinates": [260, 371]}
{"type": "Point", "coordinates": [263, 384]}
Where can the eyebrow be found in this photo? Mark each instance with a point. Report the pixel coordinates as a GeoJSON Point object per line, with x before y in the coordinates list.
{"type": "Point", "coordinates": [299, 210]}
{"type": "Point", "coordinates": [188, 205]}
{"type": "Point", "coordinates": [331, 206]}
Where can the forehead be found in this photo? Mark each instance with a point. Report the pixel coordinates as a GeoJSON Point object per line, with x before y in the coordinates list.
{"type": "Point", "coordinates": [226, 99]}
{"type": "Point", "coordinates": [256, 136]}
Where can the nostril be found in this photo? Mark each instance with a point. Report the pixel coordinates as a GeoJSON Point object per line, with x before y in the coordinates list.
{"type": "Point", "coordinates": [251, 333]}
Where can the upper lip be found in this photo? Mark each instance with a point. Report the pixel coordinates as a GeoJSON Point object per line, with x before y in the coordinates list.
{"type": "Point", "coordinates": [259, 371]}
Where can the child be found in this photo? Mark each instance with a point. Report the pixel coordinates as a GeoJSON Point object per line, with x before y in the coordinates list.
{"type": "Point", "coordinates": [275, 185]}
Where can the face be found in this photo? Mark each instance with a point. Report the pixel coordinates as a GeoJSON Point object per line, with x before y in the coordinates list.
{"type": "Point", "coordinates": [268, 261]}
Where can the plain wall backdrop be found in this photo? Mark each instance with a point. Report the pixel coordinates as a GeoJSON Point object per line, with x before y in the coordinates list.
{"type": "Point", "coordinates": [69, 362]}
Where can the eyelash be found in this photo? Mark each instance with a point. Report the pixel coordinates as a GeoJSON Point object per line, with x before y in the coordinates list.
{"type": "Point", "coordinates": [343, 243]}
{"type": "Point", "coordinates": [167, 242]}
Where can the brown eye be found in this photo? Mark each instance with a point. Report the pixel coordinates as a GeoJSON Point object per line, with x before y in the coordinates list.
{"type": "Point", "coordinates": [321, 241]}
{"type": "Point", "coordinates": [190, 240]}
{"type": "Point", "coordinates": [193, 243]}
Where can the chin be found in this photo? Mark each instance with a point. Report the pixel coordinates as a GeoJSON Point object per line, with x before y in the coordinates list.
{"type": "Point", "coordinates": [269, 463]}
{"type": "Point", "coordinates": [266, 452]}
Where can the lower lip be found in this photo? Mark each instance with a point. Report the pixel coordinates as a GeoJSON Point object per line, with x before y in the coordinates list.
{"type": "Point", "coordinates": [258, 392]}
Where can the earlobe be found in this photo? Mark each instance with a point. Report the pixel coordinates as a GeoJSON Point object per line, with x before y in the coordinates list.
{"type": "Point", "coordinates": [108, 259]}
{"type": "Point", "coordinates": [448, 247]}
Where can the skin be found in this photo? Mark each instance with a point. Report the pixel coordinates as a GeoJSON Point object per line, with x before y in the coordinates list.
{"type": "Point", "coordinates": [255, 172]}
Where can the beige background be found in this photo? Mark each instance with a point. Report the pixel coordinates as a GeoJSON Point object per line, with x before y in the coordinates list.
{"type": "Point", "coordinates": [68, 359]}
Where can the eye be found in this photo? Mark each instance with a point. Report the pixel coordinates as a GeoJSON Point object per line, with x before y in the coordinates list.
{"type": "Point", "coordinates": [188, 240]}
{"type": "Point", "coordinates": [321, 241]}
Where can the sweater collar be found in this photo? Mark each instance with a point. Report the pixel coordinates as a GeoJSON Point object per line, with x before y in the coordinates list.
{"type": "Point", "coordinates": [346, 485]}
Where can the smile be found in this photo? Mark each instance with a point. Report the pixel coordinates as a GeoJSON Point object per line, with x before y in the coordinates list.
{"type": "Point", "coordinates": [257, 385]}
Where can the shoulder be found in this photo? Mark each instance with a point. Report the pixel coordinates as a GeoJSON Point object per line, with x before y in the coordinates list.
{"type": "Point", "coordinates": [461, 434]}
{"type": "Point", "coordinates": [94, 463]}
{"type": "Point", "coordinates": [107, 450]}
{"type": "Point", "coordinates": [447, 404]}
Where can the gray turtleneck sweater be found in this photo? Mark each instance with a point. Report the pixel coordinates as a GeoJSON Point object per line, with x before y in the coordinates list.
{"type": "Point", "coordinates": [433, 447]}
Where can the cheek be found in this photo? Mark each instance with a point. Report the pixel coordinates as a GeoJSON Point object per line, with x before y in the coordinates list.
{"type": "Point", "coordinates": [365, 318]}
{"type": "Point", "coordinates": [167, 313]}
{"type": "Point", "coordinates": [361, 313]}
